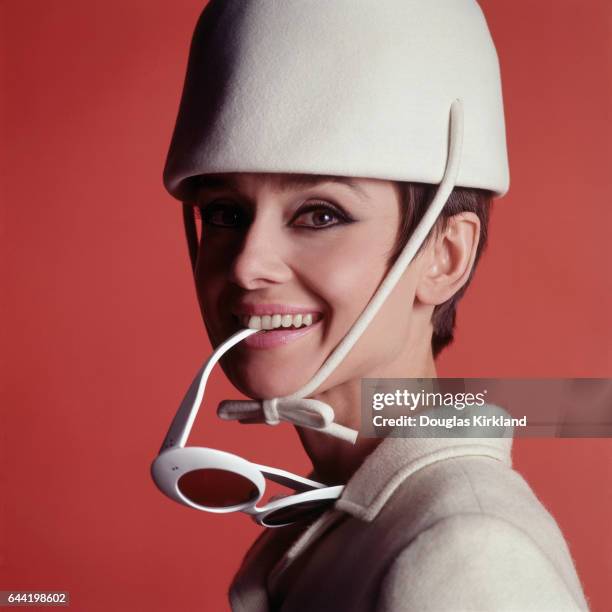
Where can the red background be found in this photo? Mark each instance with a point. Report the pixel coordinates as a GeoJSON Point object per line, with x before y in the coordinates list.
{"type": "Point", "coordinates": [102, 332]}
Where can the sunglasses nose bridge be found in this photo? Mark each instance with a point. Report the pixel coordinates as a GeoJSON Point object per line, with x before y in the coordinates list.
{"type": "Point", "coordinates": [293, 508]}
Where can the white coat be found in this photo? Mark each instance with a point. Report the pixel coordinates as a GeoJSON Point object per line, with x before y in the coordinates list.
{"type": "Point", "coordinates": [425, 524]}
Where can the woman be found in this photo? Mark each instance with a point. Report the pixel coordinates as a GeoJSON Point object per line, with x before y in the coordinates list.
{"type": "Point", "coordinates": [319, 141]}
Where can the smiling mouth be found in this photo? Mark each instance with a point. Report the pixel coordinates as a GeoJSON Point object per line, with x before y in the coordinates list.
{"type": "Point", "coordinates": [278, 321]}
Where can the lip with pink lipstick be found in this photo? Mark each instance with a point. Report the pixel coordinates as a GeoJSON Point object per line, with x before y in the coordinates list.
{"type": "Point", "coordinates": [280, 323]}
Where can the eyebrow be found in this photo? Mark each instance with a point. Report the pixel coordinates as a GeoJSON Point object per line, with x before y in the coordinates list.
{"type": "Point", "coordinates": [285, 182]}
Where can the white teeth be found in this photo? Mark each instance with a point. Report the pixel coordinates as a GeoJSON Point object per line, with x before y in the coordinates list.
{"type": "Point", "coordinates": [255, 322]}
{"type": "Point", "coordinates": [275, 321]}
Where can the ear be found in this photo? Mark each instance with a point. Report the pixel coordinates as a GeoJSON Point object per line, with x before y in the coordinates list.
{"type": "Point", "coordinates": [449, 259]}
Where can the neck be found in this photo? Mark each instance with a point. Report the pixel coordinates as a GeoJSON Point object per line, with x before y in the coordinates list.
{"type": "Point", "coordinates": [335, 460]}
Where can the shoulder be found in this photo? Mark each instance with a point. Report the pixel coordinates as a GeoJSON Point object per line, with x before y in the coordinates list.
{"type": "Point", "coordinates": [471, 485]}
{"type": "Point", "coordinates": [476, 537]}
{"type": "Point", "coordinates": [474, 562]}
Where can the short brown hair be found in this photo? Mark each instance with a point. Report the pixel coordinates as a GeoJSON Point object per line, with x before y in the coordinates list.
{"type": "Point", "coordinates": [414, 199]}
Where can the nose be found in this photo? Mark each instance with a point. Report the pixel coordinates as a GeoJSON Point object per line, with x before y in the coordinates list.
{"type": "Point", "coordinates": [260, 262]}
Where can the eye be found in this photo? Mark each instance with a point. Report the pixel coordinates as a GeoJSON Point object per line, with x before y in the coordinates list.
{"type": "Point", "coordinates": [319, 216]}
{"type": "Point", "coordinates": [223, 214]}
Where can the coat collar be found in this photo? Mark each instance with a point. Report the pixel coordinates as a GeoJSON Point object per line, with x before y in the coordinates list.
{"type": "Point", "coordinates": [396, 458]}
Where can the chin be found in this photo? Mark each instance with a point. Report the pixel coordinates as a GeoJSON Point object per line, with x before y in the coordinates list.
{"type": "Point", "coordinates": [267, 389]}
{"type": "Point", "coordinates": [259, 385]}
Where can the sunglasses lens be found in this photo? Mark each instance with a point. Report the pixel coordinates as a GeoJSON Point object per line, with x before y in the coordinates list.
{"type": "Point", "coordinates": [297, 512]}
{"type": "Point", "coordinates": [217, 488]}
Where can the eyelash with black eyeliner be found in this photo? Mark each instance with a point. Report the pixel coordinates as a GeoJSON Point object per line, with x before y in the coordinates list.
{"type": "Point", "coordinates": [343, 217]}
{"type": "Point", "coordinates": [204, 212]}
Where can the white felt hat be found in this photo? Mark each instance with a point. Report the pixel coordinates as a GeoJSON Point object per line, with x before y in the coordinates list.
{"type": "Point", "coordinates": [339, 87]}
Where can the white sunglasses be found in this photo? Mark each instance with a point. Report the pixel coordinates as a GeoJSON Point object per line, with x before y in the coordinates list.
{"type": "Point", "coordinates": [215, 481]}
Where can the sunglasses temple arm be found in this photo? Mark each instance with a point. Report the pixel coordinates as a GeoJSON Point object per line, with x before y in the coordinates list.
{"type": "Point", "coordinates": [287, 479]}
{"type": "Point", "coordinates": [188, 409]}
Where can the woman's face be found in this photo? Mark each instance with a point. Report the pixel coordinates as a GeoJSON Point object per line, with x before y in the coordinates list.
{"type": "Point", "coordinates": [306, 253]}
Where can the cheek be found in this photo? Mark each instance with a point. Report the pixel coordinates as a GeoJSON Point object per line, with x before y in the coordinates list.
{"type": "Point", "coordinates": [347, 278]}
{"type": "Point", "coordinates": [347, 273]}
{"type": "Point", "coordinates": [211, 274]}
{"type": "Point", "coordinates": [385, 339]}
{"type": "Point", "coordinates": [215, 255]}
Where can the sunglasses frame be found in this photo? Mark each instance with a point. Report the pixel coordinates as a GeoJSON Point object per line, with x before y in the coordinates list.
{"type": "Point", "coordinates": [175, 459]}
{"type": "Point", "coordinates": [173, 463]}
